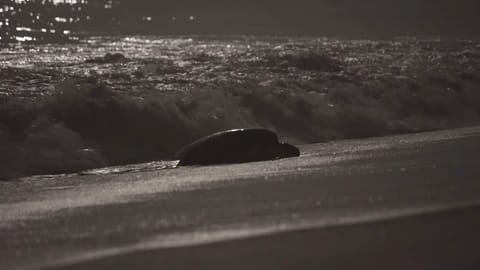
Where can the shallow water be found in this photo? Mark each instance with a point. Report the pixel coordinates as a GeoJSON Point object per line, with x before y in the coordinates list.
{"type": "Point", "coordinates": [71, 107]}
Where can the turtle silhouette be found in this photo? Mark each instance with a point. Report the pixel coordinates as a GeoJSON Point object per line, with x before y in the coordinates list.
{"type": "Point", "coordinates": [236, 146]}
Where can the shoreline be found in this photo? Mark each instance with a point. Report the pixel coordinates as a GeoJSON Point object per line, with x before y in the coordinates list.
{"type": "Point", "coordinates": [468, 130]}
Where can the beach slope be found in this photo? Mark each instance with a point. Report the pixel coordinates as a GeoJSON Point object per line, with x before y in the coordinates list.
{"type": "Point", "coordinates": [398, 202]}
{"type": "Point", "coordinates": [447, 239]}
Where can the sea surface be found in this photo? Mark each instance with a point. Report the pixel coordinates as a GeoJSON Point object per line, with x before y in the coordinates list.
{"type": "Point", "coordinates": [89, 131]}
{"type": "Point", "coordinates": [113, 100]}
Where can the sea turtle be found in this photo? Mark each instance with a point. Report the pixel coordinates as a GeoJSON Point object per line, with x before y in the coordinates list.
{"type": "Point", "coordinates": [236, 146]}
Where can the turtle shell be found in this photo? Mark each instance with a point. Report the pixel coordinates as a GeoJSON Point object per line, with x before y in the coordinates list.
{"type": "Point", "coordinates": [235, 146]}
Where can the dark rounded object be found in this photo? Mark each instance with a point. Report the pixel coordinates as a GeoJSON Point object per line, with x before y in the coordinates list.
{"type": "Point", "coordinates": [236, 146]}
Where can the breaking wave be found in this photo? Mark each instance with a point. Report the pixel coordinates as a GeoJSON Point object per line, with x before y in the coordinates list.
{"type": "Point", "coordinates": [85, 122]}
{"type": "Point", "coordinates": [85, 126]}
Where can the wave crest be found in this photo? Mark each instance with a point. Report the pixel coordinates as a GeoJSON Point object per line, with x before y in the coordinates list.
{"type": "Point", "coordinates": [85, 124]}
{"type": "Point", "coordinates": [145, 107]}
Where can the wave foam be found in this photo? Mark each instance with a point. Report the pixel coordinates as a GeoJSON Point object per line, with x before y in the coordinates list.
{"type": "Point", "coordinates": [145, 108]}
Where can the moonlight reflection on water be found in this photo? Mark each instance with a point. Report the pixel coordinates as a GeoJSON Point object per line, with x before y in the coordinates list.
{"type": "Point", "coordinates": [154, 94]}
{"type": "Point", "coordinates": [52, 21]}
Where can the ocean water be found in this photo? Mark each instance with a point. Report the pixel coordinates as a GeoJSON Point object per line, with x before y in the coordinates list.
{"type": "Point", "coordinates": [106, 101]}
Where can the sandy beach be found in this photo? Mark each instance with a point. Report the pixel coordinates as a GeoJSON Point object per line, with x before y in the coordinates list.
{"type": "Point", "coordinates": [398, 202]}
{"type": "Point", "coordinates": [448, 239]}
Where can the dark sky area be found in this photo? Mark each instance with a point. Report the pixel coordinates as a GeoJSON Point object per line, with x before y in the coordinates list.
{"type": "Point", "coordinates": [308, 17]}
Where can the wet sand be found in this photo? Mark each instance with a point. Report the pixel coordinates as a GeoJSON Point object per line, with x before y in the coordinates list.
{"type": "Point", "coordinates": [448, 239]}
{"type": "Point", "coordinates": [358, 203]}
